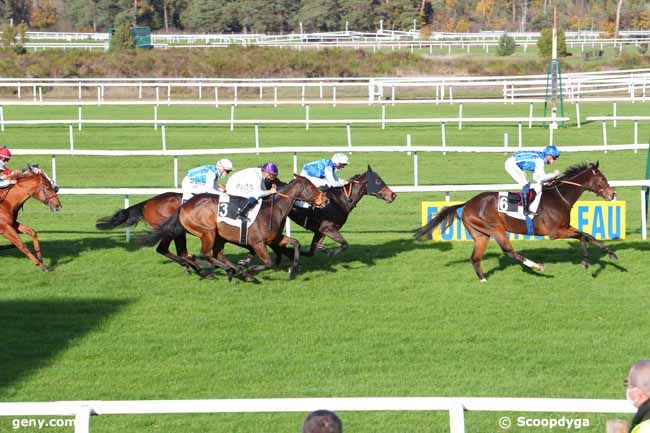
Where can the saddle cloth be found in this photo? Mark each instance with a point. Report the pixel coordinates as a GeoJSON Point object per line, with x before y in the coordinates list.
{"type": "Point", "coordinates": [509, 203]}
{"type": "Point", "coordinates": [229, 207]}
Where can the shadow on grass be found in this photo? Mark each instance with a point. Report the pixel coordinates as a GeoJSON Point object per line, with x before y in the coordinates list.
{"type": "Point", "coordinates": [598, 259]}
{"type": "Point", "coordinates": [34, 332]}
{"type": "Point", "coordinates": [60, 251]}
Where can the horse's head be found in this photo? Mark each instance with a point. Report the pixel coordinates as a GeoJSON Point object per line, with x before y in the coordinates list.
{"type": "Point", "coordinates": [42, 188]}
{"type": "Point", "coordinates": [597, 183]}
{"type": "Point", "coordinates": [307, 191]}
{"type": "Point", "coordinates": [378, 188]}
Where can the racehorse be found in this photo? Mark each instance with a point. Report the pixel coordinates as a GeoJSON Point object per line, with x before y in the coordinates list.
{"type": "Point", "coordinates": [154, 212]}
{"type": "Point", "coordinates": [31, 182]}
{"type": "Point", "coordinates": [328, 220]}
{"type": "Point", "coordinates": [482, 219]}
{"type": "Point", "coordinates": [198, 216]}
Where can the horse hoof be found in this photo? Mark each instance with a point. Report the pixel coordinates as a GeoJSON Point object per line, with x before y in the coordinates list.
{"type": "Point", "coordinates": [540, 267]}
{"type": "Point", "coordinates": [46, 269]}
{"type": "Point", "coordinates": [613, 256]}
{"type": "Point", "coordinates": [585, 264]}
{"type": "Point", "coordinates": [292, 273]}
{"type": "Point", "coordinates": [483, 280]}
{"type": "Point", "coordinates": [230, 273]}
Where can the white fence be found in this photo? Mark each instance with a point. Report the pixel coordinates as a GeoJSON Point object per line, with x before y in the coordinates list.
{"type": "Point", "coordinates": [455, 406]}
{"type": "Point", "coordinates": [627, 85]}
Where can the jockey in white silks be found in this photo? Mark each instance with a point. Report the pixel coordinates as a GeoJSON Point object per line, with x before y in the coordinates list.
{"type": "Point", "coordinates": [323, 172]}
{"type": "Point", "coordinates": [204, 179]}
{"type": "Point", "coordinates": [533, 161]}
{"type": "Point", "coordinates": [250, 183]}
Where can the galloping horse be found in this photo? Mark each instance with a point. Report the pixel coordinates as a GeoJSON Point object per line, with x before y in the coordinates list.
{"type": "Point", "coordinates": [482, 220]}
{"type": "Point", "coordinates": [198, 216]}
{"type": "Point", "coordinates": [328, 220]}
{"type": "Point", "coordinates": [31, 182]}
{"type": "Point", "coordinates": [154, 212]}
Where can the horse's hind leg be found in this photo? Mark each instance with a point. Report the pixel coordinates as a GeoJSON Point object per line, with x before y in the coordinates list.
{"type": "Point", "coordinates": [316, 243]}
{"type": "Point", "coordinates": [503, 241]}
{"type": "Point", "coordinates": [32, 234]}
{"type": "Point", "coordinates": [480, 244]}
{"type": "Point", "coordinates": [10, 233]}
{"type": "Point", "coordinates": [184, 261]}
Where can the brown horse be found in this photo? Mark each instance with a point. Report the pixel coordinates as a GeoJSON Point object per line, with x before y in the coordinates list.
{"type": "Point", "coordinates": [482, 220]}
{"type": "Point", "coordinates": [198, 216]}
{"type": "Point", "coordinates": [154, 212]}
{"type": "Point", "coordinates": [32, 182]}
{"type": "Point", "coordinates": [328, 221]}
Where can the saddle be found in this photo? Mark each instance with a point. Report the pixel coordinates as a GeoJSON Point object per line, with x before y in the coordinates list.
{"type": "Point", "coordinates": [511, 201]}
{"type": "Point", "coordinates": [228, 213]}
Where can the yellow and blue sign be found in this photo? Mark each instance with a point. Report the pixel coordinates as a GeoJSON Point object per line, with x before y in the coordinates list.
{"type": "Point", "coordinates": [601, 219]}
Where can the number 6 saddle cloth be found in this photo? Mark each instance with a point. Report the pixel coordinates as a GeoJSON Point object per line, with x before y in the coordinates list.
{"type": "Point", "coordinates": [509, 203]}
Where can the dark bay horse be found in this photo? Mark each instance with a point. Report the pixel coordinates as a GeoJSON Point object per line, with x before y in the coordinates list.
{"type": "Point", "coordinates": [482, 220]}
{"type": "Point", "coordinates": [198, 216]}
{"type": "Point", "coordinates": [328, 221]}
{"type": "Point", "coordinates": [154, 212]}
{"type": "Point", "coordinates": [32, 182]}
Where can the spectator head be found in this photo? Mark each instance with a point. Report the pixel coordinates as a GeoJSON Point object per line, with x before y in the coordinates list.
{"type": "Point", "coordinates": [322, 421]}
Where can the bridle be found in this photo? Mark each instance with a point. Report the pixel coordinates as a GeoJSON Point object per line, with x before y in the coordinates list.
{"type": "Point", "coordinates": [579, 185]}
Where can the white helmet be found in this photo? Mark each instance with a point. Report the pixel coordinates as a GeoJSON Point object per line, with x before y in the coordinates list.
{"type": "Point", "coordinates": [225, 164]}
{"type": "Point", "coordinates": [340, 159]}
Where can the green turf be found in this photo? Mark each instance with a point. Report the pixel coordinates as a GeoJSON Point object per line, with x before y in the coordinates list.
{"type": "Point", "coordinates": [389, 317]}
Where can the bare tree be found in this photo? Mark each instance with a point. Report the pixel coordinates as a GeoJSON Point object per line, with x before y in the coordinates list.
{"type": "Point", "coordinates": [618, 19]}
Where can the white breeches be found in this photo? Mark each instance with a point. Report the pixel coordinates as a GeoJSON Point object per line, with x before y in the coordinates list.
{"type": "Point", "coordinates": [190, 189]}
{"type": "Point", "coordinates": [517, 173]}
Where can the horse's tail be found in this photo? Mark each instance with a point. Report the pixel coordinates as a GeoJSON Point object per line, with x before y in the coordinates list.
{"type": "Point", "coordinates": [122, 218]}
{"type": "Point", "coordinates": [170, 229]}
{"type": "Point", "coordinates": [444, 218]}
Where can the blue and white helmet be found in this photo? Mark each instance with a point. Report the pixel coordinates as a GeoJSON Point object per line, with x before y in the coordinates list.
{"type": "Point", "coordinates": [552, 150]}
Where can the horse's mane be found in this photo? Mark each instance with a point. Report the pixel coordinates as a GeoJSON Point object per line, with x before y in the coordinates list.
{"type": "Point", "coordinates": [356, 177]}
{"type": "Point", "coordinates": [574, 170]}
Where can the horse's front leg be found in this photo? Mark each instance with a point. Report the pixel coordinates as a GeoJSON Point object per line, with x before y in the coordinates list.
{"type": "Point", "coordinates": [335, 235]}
{"type": "Point", "coordinates": [32, 234]}
{"type": "Point", "coordinates": [589, 238]}
{"type": "Point", "coordinates": [295, 264]}
{"type": "Point", "coordinates": [12, 235]}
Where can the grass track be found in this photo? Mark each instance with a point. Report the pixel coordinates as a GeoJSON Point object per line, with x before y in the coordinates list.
{"type": "Point", "coordinates": [390, 317]}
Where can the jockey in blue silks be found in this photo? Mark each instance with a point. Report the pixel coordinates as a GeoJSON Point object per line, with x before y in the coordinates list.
{"type": "Point", "coordinates": [204, 178]}
{"type": "Point", "coordinates": [533, 161]}
{"type": "Point", "coordinates": [322, 172]}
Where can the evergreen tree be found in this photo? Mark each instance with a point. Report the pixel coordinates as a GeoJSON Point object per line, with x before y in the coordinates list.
{"type": "Point", "coordinates": [319, 16]}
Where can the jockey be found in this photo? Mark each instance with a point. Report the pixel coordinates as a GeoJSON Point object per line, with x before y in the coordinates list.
{"type": "Point", "coordinates": [251, 184]}
{"type": "Point", "coordinates": [322, 172]}
{"type": "Point", "coordinates": [5, 157]}
{"type": "Point", "coordinates": [533, 161]}
{"type": "Point", "coordinates": [204, 179]}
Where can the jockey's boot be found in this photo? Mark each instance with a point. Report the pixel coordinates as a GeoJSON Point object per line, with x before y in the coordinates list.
{"type": "Point", "coordinates": [243, 212]}
{"type": "Point", "coordinates": [525, 200]}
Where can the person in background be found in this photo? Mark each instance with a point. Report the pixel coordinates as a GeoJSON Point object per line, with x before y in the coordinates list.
{"type": "Point", "coordinates": [637, 384]}
{"type": "Point", "coordinates": [322, 421]}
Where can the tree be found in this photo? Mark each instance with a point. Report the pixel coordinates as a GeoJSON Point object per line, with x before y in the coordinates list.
{"type": "Point", "coordinates": [618, 18]}
{"type": "Point", "coordinates": [14, 37]}
{"type": "Point", "coordinates": [319, 15]}
{"type": "Point", "coordinates": [506, 45]}
{"type": "Point", "coordinates": [545, 43]}
{"type": "Point", "coordinates": [121, 39]}
{"type": "Point", "coordinates": [44, 14]}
